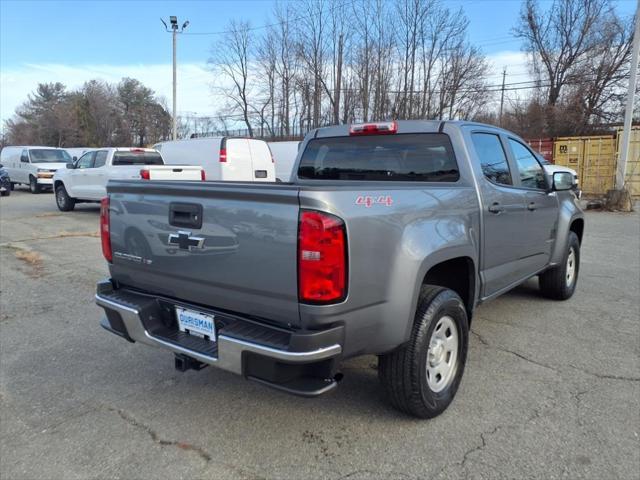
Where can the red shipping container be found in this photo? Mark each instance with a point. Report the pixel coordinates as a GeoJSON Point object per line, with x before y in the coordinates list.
{"type": "Point", "coordinates": [544, 146]}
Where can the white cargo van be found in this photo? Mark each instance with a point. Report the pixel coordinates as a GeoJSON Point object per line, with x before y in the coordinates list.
{"type": "Point", "coordinates": [223, 158]}
{"type": "Point", "coordinates": [33, 166]}
{"type": "Point", "coordinates": [284, 154]}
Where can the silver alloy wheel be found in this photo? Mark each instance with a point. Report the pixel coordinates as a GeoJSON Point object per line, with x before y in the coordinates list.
{"type": "Point", "coordinates": [571, 267]}
{"type": "Point", "coordinates": [60, 198]}
{"type": "Point", "coordinates": [442, 356]}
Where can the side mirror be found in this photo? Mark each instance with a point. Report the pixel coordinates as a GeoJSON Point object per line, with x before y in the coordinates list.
{"type": "Point", "coordinates": [71, 165]}
{"type": "Point", "coordinates": [74, 158]}
{"type": "Point", "coordinates": [562, 181]}
{"type": "Point", "coordinates": [24, 159]}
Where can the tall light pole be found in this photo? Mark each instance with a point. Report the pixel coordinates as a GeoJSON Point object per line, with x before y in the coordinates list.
{"type": "Point", "coordinates": [504, 76]}
{"type": "Point", "coordinates": [173, 20]}
{"type": "Point", "coordinates": [628, 113]}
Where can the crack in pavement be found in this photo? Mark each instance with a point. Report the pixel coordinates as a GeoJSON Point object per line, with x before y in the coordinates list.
{"type": "Point", "coordinates": [480, 447]}
{"type": "Point", "coordinates": [52, 237]}
{"type": "Point", "coordinates": [378, 473]}
{"type": "Point", "coordinates": [156, 437]}
{"type": "Point", "coordinates": [537, 413]}
{"type": "Point", "coordinates": [555, 369]}
{"type": "Point", "coordinates": [605, 376]}
{"type": "Point", "coordinates": [512, 352]}
{"type": "Point", "coordinates": [163, 442]}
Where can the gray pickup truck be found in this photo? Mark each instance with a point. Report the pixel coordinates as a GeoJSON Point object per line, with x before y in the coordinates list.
{"type": "Point", "coordinates": [384, 241]}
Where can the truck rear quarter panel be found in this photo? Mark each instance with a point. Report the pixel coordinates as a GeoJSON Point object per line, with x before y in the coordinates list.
{"type": "Point", "coordinates": [391, 246]}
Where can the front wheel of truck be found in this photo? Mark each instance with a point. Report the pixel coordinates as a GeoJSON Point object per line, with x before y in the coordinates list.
{"type": "Point", "coordinates": [422, 377]}
{"type": "Point", "coordinates": [63, 200]}
{"type": "Point", "coordinates": [559, 282]}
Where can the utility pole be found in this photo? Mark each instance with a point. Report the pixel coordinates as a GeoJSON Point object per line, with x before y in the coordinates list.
{"type": "Point", "coordinates": [173, 20]}
{"type": "Point", "coordinates": [628, 113]}
{"type": "Point", "coordinates": [504, 75]}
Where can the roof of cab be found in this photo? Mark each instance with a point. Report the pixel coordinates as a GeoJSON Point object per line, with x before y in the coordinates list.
{"type": "Point", "coordinates": [30, 147]}
{"type": "Point", "coordinates": [404, 126]}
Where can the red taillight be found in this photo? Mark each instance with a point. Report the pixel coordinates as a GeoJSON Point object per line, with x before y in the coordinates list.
{"type": "Point", "coordinates": [322, 258]}
{"type": "Point", "coordinates": [203, 175]}
{"type": "Point", "coordinates": [104, 229]}
{"type": "Point", "coordinates": [144, 174]}
{"type": "Point", "coordinates": [378, 128]}
{"type": "Point", "coordinates": [223, 155]}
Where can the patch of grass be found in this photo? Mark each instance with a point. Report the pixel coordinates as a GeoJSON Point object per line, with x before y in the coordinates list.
{"type": "Point", "coordinates": [77, 234]}
{"type": "Point", "coordinates": [29, 256]}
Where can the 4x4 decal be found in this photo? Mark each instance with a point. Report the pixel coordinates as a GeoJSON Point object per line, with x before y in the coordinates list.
{"type": "Point", "coordinates": [369, 201]}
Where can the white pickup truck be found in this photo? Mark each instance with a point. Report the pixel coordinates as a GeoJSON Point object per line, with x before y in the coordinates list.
{"type": "Point", "coordinates": [85, 180]}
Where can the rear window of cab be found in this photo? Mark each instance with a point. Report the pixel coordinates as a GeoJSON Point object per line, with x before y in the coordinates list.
{"type": "Point", "coordinates": [411, 157]}
{"type": "Point", "coordinates": [140, 157]}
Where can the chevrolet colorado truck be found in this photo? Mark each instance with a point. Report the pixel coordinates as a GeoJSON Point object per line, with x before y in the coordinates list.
{"type": "Point", "coordinates": [384, 241]}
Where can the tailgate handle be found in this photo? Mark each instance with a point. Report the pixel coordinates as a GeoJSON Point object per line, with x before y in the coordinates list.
{"type": "Point", "coordinates": [185, 215]}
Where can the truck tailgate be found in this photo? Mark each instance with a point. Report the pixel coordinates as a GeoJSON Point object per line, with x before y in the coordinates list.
{"type": "Point", "coordinates": [242, 258]}
{"type": "Point", "coordinates": [174, 172]}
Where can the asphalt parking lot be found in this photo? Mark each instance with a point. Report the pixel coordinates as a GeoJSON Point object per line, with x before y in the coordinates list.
{"type": "Point", "coordinates": [551, 389]}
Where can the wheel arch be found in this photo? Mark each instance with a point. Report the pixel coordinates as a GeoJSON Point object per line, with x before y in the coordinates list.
{"type": "Point", "coordinates": [457, 274]}
{"type": "Point", "coordinates": [455, 268]}
{"type": "Point", "coordinates": [577, 227]}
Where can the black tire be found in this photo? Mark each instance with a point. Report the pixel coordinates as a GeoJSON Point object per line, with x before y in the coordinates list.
{"type": "Point", "coordinates": [63, 200]}
{"type": "Point", "coordinates": [403, 372]}
{"type": "Point", "coordinates": [6, 193]}
{"type": "Point", "coordinates": [558, 283]}
{"type": "Point", "coordinates": [34, 187]}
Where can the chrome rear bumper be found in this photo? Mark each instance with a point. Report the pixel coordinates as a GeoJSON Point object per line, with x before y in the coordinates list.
{"type": "Point", "coordinates": [229, 351]}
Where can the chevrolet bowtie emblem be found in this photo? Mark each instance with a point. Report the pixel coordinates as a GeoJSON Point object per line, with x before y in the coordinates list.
{"type": "Point", "coordinates": [185, 241]}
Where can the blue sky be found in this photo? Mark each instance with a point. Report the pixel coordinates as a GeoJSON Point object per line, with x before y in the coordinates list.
{"type": "Point", "coordinates": [73, 41]}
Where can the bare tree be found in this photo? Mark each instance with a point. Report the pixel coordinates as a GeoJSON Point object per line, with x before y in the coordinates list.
{"type": "Point", "coordinates": [558, 40]}
{"type": "Point", "coordinates": [312, 50]}
{"type": "Point", "coordinates": [98, 114]}
{"type": "Point", "coordinates": [231, 56]}
{"type": "Point", "coordinates": [600, 93]}
{"type": "Point", "coordinates": [578, 50]}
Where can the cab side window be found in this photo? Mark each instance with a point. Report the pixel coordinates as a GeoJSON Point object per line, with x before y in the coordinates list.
{"type": "Point", "coordinates": [493, 160]}
{"type": "Point", "coordinates": [85, 161]}
{"type": "Point", "coordinates": [101, 159]}
{"type": "Point", "coordinates": [531, 172]}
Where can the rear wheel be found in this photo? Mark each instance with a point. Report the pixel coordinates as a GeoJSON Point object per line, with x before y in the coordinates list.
{"type": "Point", "coordinates": [34, 187]}
{"type": "Point", "coordinates": [7, 192]}
{"type": "Point", "coordinates": [559, 283]}
{"type": "Point", "coordinates": [422, 377]}
{"type": "Point", "coordinates": [63, 200]}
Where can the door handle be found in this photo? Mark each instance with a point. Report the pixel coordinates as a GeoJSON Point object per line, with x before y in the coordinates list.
{"type": "Point", "coordinates": [185, 215]}
{"type": "Point", "coordinates": [496, 208]}
{"type": "Point", "coordinates": [532, 206]}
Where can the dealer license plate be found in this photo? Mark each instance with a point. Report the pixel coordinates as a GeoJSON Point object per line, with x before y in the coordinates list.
{"type": "Point", "coordinates": [196, 323]}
